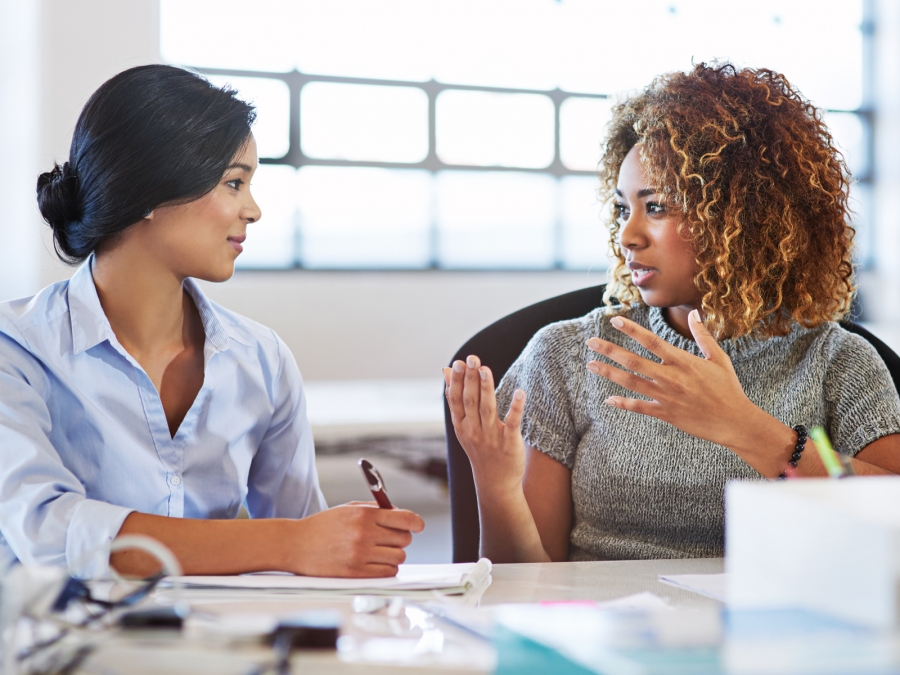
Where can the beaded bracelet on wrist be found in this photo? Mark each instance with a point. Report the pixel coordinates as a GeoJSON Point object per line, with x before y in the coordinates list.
{"type": "Point", "coordinates": [798, 449]}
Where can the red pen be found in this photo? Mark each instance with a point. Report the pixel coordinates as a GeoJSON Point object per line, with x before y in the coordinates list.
{"type": "Point", "coordinates": [376, 484]}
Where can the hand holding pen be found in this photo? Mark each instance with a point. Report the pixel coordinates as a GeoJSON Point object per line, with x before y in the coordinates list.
{"type": "Point", "coordinates": [358, 539]}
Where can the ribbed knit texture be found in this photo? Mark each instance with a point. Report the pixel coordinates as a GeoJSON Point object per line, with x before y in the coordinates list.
{"type": "Point", "coordinates": [644, 489]}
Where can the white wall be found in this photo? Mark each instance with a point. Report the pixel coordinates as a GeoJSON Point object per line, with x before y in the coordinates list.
{"type": "Point", "coordinates": [384, 325]}
{"type": "Point", "coordinates": [20, 133]}
{"type": "Point", "coordinates": [884, 286]}
{"type": "Point", "coordinates": [84, 43]}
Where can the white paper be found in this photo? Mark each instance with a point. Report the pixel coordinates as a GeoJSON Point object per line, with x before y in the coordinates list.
{"type": "Point", "coordinates": [710, 585]}
{"type": "Point", "coordinates": [643, 601]}
{"type": "Point", "coordinates": [410, 578]}
{"type": "Point", "coordinates": [600, 637]}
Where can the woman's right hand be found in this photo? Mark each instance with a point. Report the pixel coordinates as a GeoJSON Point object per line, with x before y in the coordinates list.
{"type": "Point", "coordinates": [358, 539]}
{"type": "Point", "coordinates": [494, 447]}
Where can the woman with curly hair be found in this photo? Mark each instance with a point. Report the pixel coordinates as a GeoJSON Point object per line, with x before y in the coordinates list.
{"type": "Point", "coordinates": [732, 266]}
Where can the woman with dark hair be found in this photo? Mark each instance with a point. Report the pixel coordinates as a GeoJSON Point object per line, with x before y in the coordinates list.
{"type": "Point", "coordinates": [130, 403]}
{"type": "Point", "coordinates": [732, 263]}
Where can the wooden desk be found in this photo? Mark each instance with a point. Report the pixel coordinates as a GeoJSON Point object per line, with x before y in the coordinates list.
{"type": "Point", "coordinates": [155, 653]}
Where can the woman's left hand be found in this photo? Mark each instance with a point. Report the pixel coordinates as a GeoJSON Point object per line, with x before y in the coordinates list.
{"type": "Point", "coordinates": [701, 396]}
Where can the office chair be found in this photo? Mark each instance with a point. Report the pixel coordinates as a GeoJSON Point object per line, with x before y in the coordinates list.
{"type": "Point", "coordinates": [498, 346]}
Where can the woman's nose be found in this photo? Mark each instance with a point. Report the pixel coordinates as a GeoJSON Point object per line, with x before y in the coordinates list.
{"type": "Point", "coordinates": [631, 235]}
{"type": "Point", "coordinates": [252, 212]}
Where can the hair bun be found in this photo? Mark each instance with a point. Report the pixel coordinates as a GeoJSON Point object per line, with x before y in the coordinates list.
{"type": "Point", "coordinates": [57, 196]}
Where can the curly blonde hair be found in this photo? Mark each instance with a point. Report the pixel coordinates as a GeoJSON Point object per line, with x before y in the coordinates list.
{"type": "Point", "coordinates": [763, 192]}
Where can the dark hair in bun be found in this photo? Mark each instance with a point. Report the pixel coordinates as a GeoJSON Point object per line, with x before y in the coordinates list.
{"type": "Point", "coordinates": [56, 196]}
{"type": "Point", "coordinates": [150, 136]}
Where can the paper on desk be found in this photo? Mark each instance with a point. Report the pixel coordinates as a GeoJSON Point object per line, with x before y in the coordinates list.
{"type": "Point", "coordinates": [447, 579]}
{"type": "Point", "coordinates": [710, 585]}
{"type": "Point", "coordinates": [631, 635]}
{"type": "Point", "coordinates": [637, 601]}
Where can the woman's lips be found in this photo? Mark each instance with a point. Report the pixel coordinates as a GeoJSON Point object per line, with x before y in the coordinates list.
{"type": "Point", "coordinates": [642, 275]}
{"type": "Point", "coordinates": [236, 243]}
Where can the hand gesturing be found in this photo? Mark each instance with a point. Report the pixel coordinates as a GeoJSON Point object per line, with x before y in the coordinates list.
{"type": "Point", "coordinates": [701, 396]}
{"type": "Point", "coordinates": [494, 447]}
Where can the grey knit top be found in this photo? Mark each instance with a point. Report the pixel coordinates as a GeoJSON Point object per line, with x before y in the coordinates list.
{"type": "Point", "coordinates": [642, 488]}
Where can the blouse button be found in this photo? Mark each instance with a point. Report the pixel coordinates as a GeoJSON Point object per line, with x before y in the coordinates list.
{"type": "Point", "coordinates": [175, 480]}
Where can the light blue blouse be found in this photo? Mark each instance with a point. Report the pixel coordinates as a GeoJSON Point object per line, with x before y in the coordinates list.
{"type": "Point", "coordinates": [84, 439]}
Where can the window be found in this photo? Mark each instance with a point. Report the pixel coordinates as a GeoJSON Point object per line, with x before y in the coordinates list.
{"type": "Point", "coordinates": [362, 122]}
{"type": "Point", "coordinates": [465, 134]}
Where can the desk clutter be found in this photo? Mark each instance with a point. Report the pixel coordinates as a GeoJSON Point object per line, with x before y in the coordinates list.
{"type": "Point", "coordinates": [812, 585]}
{"type": "Point", "coordinates": [786, 600]}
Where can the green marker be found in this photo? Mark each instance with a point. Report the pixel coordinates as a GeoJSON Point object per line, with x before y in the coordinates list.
{"type": "Point", "coordinates": [829, 457]}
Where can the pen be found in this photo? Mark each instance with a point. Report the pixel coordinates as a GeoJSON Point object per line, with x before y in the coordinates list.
{"type": "Point", "coordinates": [830, 458]}
{"type": "Point", "coordinates": [376, 484]}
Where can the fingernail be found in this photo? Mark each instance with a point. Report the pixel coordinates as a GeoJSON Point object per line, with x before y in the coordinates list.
{"type": "Point", "coordinates": [610, 401]}
{"type": "Point", "coordinates": [458, 366]}
{"type": "Point", "coordinates": [471, 362]}
{"type": "Point", "coordinates": [593, 343]}
{"type": "Point", "coordinates": [594, 368]}
{"type": "Point", "coordinates": [520, 394]}
{"type": "Point", "coordinates": [617, 322]}
{"type": "Point", "coordinates": [483, 373]}
{"type": "Point", "coordinates": [696, 315]}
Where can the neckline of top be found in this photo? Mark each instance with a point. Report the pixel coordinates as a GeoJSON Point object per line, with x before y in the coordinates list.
{"type": "Point", "coordinates": [738, 349]}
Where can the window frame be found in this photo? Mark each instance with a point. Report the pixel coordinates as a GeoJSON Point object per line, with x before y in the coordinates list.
{"type": "Point", "coordinates": [296, 158]}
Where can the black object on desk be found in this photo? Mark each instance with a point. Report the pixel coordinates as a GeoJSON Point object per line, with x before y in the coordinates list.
{"type": "Point", "coordinates": [155, 617]}
{"type": "Point", "coordinates": [309, 630]}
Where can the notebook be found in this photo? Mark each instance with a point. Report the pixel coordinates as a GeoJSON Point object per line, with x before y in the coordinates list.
{"type": "Point", "coordinates": [449, 579]}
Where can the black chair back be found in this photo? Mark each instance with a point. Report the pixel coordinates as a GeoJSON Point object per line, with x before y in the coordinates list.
{"type": "Point", "coordinates": [498, 346]}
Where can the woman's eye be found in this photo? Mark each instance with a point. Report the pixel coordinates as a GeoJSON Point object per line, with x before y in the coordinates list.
{"type": "Point", "coordinates": [655, 207]}
{"type": "Point", "coordinates": [235, 183]}
{"type": "Point", "coordinates": [621, 211]}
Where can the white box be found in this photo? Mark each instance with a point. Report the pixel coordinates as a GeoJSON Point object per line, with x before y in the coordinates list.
{"type": "Point", "coordinates": [830, 546]}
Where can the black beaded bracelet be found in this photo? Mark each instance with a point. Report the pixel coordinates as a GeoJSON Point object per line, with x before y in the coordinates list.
{"type": "Point", "coordinates": [798, 449]}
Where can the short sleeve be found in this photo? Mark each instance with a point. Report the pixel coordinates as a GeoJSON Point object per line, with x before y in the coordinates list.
{"type": "Point", "coordinates": [546, 371]}
{"type": "Point", "coordinates": [861, 399]}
